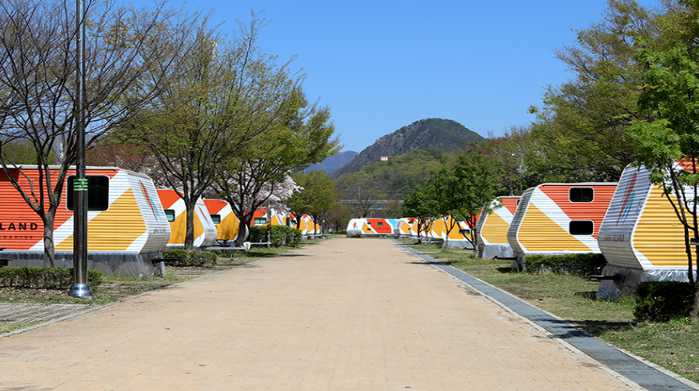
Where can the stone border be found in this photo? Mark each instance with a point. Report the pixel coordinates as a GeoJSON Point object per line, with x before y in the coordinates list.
{"type": "Point", "coordinates": [631, 367]}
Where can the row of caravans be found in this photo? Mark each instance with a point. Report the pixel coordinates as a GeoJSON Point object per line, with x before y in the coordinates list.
{"type": "Point", "coordinates": [630, 222]}
{"type": "Point", "coordinates": [440, 229]}
{"type": "Point", "coordinates": [130, 221]}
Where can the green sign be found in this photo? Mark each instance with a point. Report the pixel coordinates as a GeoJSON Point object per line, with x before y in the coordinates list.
{"type": "Point", "coordinates": [80, 184]}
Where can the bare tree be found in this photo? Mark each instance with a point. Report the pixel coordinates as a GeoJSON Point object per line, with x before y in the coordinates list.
{"type": "Point", "coordinates": [37, 85]}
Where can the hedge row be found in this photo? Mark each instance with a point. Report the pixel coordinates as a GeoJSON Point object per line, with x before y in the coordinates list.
{"type": "Point", "coordinates": [43, 278]}
{"type": "Point", "coordinates": [182, 257]}
{"type": "Point", "coordinates": [577, 264]}
{"type": "Point", "coordinates": [278, 235]}
{"type": "Point", "coordinates": [660, 301]}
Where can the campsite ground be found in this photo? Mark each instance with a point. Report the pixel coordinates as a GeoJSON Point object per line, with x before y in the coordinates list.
{"type": "Point", "coordinates": [345, 314]}
{"type": "Point", "coordinates": [28, 311]}
{"type": "Point", "coordinates": [671, 344]}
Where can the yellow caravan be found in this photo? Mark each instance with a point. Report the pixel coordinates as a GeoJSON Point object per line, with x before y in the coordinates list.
{"type": "Point", "coordinates": [493, 226]}
{"type": "Point", "coordinates": [457, 238]}
{"type": "Point", "coordinates": [641, 237]}
{"type": "Point", "coordinates": [226, 222]}
{"type": "Point", "coordinates": [204, 228]}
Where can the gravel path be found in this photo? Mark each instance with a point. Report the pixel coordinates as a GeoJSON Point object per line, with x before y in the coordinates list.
{"type": "Point", "coordinates": [346, 314]}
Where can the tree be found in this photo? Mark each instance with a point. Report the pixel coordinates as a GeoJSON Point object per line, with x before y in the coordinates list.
{"type": "Point", "coordinates": [37, 85]}
{"type": "Point", "coordinates": [666, 141]}
{"type": "Point", "coordinates": [295, 137]}
{"type": "Point", "coordinates": [446, 187]}
{"type": "Point", "coordinates": [421, 205]}
{"type": "Point", "coordinates": [476, 186]}
{"type": "Point", "coordinates": [580, 131]}
{"type": "Point", "coordinates": [207, 112]}
{"type": "Point", "coordinates": [316, 198]}
{"type": "Point", "coordinates": [338, 216]}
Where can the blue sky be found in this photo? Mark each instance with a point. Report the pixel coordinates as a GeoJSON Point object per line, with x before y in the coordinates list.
{"type": "Point", "coordinates": [380, 65]}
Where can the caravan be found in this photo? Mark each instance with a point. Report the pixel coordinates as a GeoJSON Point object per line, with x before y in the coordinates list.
{"type": "Point", "coordinates": [127, 226]}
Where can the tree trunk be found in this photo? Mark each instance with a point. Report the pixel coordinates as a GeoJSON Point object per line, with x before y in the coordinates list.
{"type": "Point", "coordinates": [189, 235]}
{"type": "Point", "coordinates": [694, 314]}
{"type": "Point", "coordinates": [242, 229]}
{"type": "Point", "coordinates": [688, 251]}
{"type": "Point", "coordinates": [49, 248]}
{"type": "Point", "coordinates": [445, 244]}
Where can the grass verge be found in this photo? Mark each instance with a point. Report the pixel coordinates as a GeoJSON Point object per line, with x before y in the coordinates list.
{"type": "Point", "coordinates": [672, 345]}
{"type": "Point", "coordinates": [115, 288]}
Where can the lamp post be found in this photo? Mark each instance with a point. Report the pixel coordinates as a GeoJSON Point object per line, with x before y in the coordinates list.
{"type": "Point", "coordinates": [80, 288]}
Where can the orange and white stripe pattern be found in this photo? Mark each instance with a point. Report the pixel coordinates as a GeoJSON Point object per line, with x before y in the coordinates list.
{"type": "Point", "coordinates": [228, 223]}
{"type": "Point", "coordinates": [546, 214]}
{"type": "Point", "coordinates": [204, 228]}
{"type": "Point", "coordinates": [133, 222]}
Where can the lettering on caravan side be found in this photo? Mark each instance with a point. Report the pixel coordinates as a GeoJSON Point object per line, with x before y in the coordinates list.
{"type": "Point", "coordinates": [18, 226]}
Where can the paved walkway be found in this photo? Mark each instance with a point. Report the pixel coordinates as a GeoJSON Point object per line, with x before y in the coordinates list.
{"type": "Point", "coordinates": [346, 314]}
{"type": "Point", "coordinates": [23, 315]}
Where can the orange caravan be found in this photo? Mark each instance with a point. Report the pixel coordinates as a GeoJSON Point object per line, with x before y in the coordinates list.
{"type": "Point", "coordinates": [226, 222]}
{"type": "Point", "coordinates": [204, 227]}
{"type": "Point", "coordinates": [560, 218]}
{"type": "Point", "coordinates": [127, 227]}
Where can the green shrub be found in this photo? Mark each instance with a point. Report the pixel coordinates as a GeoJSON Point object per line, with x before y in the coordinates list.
{"type": "Point", "coordinates": [258, 234]}
{"type": "Point", "coordinates": [43, 278]}
{"type": "Point", "coordinates": [294, 237]}
{"type": "Point", "coordinates": [278, 235]}
{"type": "Point", "coordinates": [281, 235]}
{"type": "Point", "coordinates": [577, 264]}
{"type": "Point", "coordinates": [181, 257]}
{"type": "Point", "coordinates": [660, 301]}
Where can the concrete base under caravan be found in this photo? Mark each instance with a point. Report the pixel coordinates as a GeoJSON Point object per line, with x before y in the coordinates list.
{"type": "Point", "coordinates": [492, 251]}
{"type": "Point", "coordinates": [108, 263]}
{"type": "Point", "coordinates": [621, 280]}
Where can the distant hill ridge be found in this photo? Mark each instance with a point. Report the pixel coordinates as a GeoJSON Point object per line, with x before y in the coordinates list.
{"type": "Point", "coordinates": [435, 134]}
{"type": "Point", "coordinates": [333, 163]}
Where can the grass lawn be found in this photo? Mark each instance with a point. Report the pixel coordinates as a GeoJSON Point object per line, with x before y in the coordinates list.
{"type": "Point", "coordinates": [673, 345]}
{"type": "Point", "coordinates": [114, 288]}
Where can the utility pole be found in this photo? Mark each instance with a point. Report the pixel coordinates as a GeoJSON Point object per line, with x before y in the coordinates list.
{"type": "Point", "coordinates": [80, 288]}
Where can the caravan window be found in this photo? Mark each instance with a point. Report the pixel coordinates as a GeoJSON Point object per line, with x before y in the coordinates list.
{"type": "Point", "coordinates": [97, 193]}
{"type": "Point", "coordinates": [581, 227]}
{"type": "Point", "coordinates": [260, 221]}
{"type": "Point", "coordinates": [216, 219]}
{"type": "Point", "coordinates": [581, 194]}
{"type": "Point", "coordinates": [170, 214]}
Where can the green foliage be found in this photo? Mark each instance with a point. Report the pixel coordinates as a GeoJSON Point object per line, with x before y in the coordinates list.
{"type": "Point", "coordinates": [20, 152]}
{"type": "Point", "coordinates": [278, 235]}
{"type": "Point", "coordinates": [281, 235]}
{"type": "Point", "coordinates": [577, 264]}
{"type": "Point", "coordinates": [393, 179]}
{"type": "Point", "coordinates": [318, 194]}
{"type": "Point", "coordinates": [182, 257]}
{"type": "Point", "coordinates": [258, 234]}
{"type": "Point", "coordinates": [43, 278]}
{"type": "Point", "coordinates": [661, 301]}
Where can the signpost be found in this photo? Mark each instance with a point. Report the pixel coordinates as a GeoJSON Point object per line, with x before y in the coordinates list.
{"type": "Point", "coordinates": [80, 288]}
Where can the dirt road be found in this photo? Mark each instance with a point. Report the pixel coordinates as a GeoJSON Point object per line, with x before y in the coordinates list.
{"type": "Point", "coordinates": [346, 314]}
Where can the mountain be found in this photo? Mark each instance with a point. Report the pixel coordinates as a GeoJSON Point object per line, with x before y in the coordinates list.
{"type": "Point", "coordinates": [434, 134]}
{"type": "Point", "coordinates": [334, 163]}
